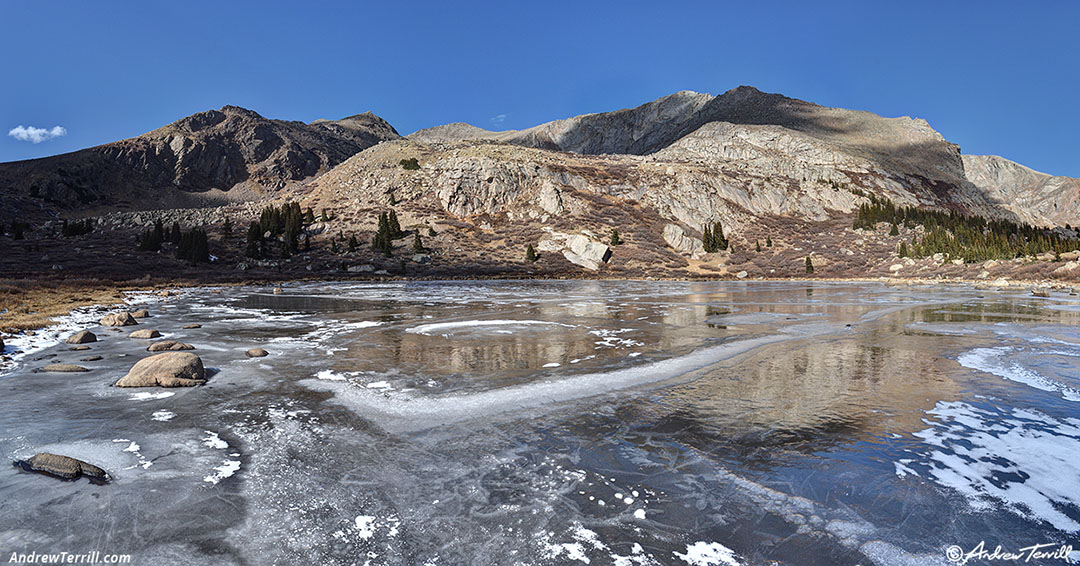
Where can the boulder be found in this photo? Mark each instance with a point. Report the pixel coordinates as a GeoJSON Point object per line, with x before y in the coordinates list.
{"type": "Point", "coordinates": [145, 333]}
{"type": "Point", "coordinates": [1041, 292]}
{"type": "Point", "coordinates": [190, 326]}
{"type": "Point", "coordinates": [80, 348]}
{"type": "Point", "coordinates": [64, 368]}
{"type": "Point", "coordinates": [118, 319]}
{"type": "Point", "coordinates": [676, 237]}
{"type": "Point", "coordinates": [171, 369]}
{"type": "Point", "coordinates": [83, 337]}
{"type": "Point", "coordinates": [278, 290]}
{"type": "Point", "coordinates": [168, 346]}
{"type": "Point", "coordinates": [63, 467]}
{"type": "Point", "coordinates": [90, 359]}
{"type": "Point", "coordinates": [141, 313]}
{"type": "Point", "coordinates": [257, 353]}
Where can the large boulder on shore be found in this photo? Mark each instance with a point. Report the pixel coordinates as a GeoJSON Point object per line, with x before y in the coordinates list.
{"type": "Point", "coordinates": [141, 313]}
{"type": "Point", "coordinates": [118, 319]}
{"type": "Point", "coordinates": [145, 334]}
{"type": "Point", "coordinates": [168, 346]}
{"type": "Point", "coordinates": [63, 467]}
{"type": "Point", "coordinates": [83, 337]}
{"type": "Point", "coordinates": [171, 369]}
{"type": "Point", "coordinates": [64, 368]}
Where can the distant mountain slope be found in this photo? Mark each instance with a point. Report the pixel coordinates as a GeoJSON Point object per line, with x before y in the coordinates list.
{"type": "Point", "coordinates": [1037, 198]}
{"type": "Point", "coordinates": [215, 150]}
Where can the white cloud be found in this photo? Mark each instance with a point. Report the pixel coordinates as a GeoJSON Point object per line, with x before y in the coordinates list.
{"type": "Point", "coordinates": [498, 120]}
{"type": "Point", "coordinates": [36, 135]}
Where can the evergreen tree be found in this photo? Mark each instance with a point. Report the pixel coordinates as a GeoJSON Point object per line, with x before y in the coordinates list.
{"type": "Point", "coordinates": [334, 246]}
{"type": "Point", "coordinates": [417, 244]}
{"type": "Point", "coordinates": [352, 243]}
{"type": "Point", "coordinates": [903, 250]}
{"type": "Point", "coordinates": [530, 253]}
{"type": "Point", "coordinates": [227, 227]}
{"type": "Point", "coordinates": [309, 216]}
{"type": "Point", "coordinates": [615, 239]}
{"type": "Point", "coordinates": [325, 217]}
{"type": "Point", "coordinates": [757, 245]}
{"type": "Point", "coordinates": [809, 265]}
{"type": "Point", "coordinates": [768, 242]}
{"type": "Point", "coordinates": [395, 227]}
{"type": "Point", "coordinates": [253, 249]}
{"type": "Point", "coordinates": [17, 229]}
{"type": "Point", "coordinates": [174, 235]}
{"type": "Point", "coordinates": [894, 230]}
{"type": "Point", "coordinates": [431, 232]}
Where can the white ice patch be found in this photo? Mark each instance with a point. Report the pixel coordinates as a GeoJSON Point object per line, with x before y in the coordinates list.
{"type": "Point", "coordinates": [446, 328]}
{"type": "Point", "coordinates": [610, 338]}
{"type": "Point", "coordinates": [212, 440]}
{"type": "Point", "coordinates": [1019, 458]}
{"type": "Point", "coordinates": [163, 416]}
{"type": "Point", "coordinates": [996, 361]}
{"type": "Point", "coordinates": [552, 365]}
{"type": "Point", "coordinates": [227, 469]}
{"type": "Point", "coordinates": [708, 554]}
{"type": "Point", "coordinates": [330, 375]}
{"type": "Point", "coordinates": [146, 395]}
{"type": "Point", "coordinates": [365, 526]}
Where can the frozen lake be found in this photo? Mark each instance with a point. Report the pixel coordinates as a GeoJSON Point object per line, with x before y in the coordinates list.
{"type": "Point", "coordinates": [572, 422]}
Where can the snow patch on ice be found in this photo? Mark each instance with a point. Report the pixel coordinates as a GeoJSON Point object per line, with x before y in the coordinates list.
{"type": "Point", "coordinates": [163, 416]}
{"type": "Point", "coordinates": [226, 470]}
{"type": "Point", "coordinates": [446, 328]}
{"type": "Point", "coordinates": [703, 553]}
{"type": "Point", "coordinates": [146, 395]}
{"type": "Point", "coordinates": [212, 440]}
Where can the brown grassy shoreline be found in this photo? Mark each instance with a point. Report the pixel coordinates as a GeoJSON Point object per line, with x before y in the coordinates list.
{"type": "Point", "coordinates": [30, 304]}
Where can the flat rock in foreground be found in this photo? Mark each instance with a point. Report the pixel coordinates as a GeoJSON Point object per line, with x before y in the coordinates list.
{"type": "Point", "coordinates": [64, 368]}
{"type": "Point", "coordinates": [63, 467]}
{"type": "Point", "coordinates": [171, 369]}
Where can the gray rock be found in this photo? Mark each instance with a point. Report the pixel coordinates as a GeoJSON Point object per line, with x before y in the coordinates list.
{"type": "Point", "coordinates": [1041, 292]}
{"type": "Point", "coordinates": [145, 334]}
{"type": "Point", "coordinates": [64, 368]}
{"type": "Point", "coordinates": [80, 348]}
{"type": "Point", "coordinates": [676, 237]}
{"type": "Point", "coordinates": [257, 353]}
{"type": "Point", "coordinates": [141, 313]}
{"type": "Point", "coordinates": [90, 359]}
{"type": "Point", "coordinates": [84, 337]}
{"type": "Point", "coordinates": [191, 326]}
{"type": "Point", "coordinates": [168, 346]}
{"type": "Point", "coordinates": [63, 467]}
{"type": "Point", "coordinates": [171, 369]}
{"type": "Point", "coordinates": [118, 319]}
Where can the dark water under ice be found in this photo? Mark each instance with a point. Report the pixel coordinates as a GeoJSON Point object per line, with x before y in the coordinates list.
{"type": "Point", "coordinates": [625, 423]}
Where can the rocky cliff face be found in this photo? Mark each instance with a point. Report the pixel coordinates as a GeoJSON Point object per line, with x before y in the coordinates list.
{"type": "Point", "coordinates": [210, 152]}
{"type": "Point", "coordinates": [1035, 198]}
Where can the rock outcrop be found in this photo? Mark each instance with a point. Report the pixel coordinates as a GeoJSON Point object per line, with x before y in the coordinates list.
{"type": "Point", "coordinates": [1036, 198]}
{"type": "Point", "coordinates": [118, 319]}
{"type": "Point", "coordinates": [83, 337]}
{"type": "Point", "coordinates": [63, 467]}
{"type": "Point", "coordinates": [171, 369]}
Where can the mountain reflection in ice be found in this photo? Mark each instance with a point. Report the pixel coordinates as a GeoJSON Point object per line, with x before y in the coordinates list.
{"type": "Point", "coordinates": [561, 423]}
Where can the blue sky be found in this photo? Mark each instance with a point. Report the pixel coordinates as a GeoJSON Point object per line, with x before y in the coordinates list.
{"type": "Point", "coordinates": [995, 77]}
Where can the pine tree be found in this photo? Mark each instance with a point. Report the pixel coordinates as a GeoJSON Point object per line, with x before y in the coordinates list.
{"type": "Point", "coordinates": [253, 249]}
{"type": "Point", "coordinates": [417, 244]}
{"type": "Point", "coordinates": [903, 250]}
{"type": "Point", "coordinates": [227, 228]}
{"type": "Point", "coordinates": [530, 253]}
{"type": "Point", "coordinates": [757, 246]}
{"type": "Point", "coordinates": [17, 229]}
{"type": "Point", "coordinates": [309, 216]}
{"type": "Point", "coordinates": [768, 242]}
{"type": "Point", "coordinates": [395, 227]}
{"type": "Point", "coordinates": [809, 265]}
{"type": "Point", "coordinates": [615, 239]}
{"type": "Point", "coordinates": [431, 232]}
{"type": "Point", "coordinates": [352, 243]}
{"type": "Point", "coordinates": [325, 218]}
{"type": "Point", "coordinates": [174, 235]}
{"type": "Point", "coordinates": [894, 230]}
